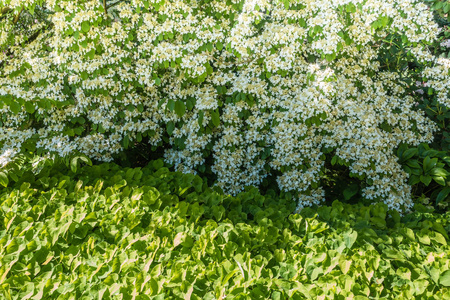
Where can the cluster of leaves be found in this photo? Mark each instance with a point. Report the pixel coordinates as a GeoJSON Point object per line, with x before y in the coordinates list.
{"type": "Point", "coordinates": [28, 165]}
{"type": "Point", "coordinates": [441, 9]}
{"type": "Point", "coordinates": [429, 172]}
{"type": "Point", "coordinates": [108, 232]}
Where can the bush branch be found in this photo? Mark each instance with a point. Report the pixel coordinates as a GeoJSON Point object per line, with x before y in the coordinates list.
{"type": "Point", "coordinates": [16, 18]}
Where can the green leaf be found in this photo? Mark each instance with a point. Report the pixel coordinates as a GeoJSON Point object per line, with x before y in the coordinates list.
{"type": "Point", "coordinates": [424, 238]}
{"type": "Point", "coordinates": [200, 118]}
{"type": "Point", "coordinates": [170, 127]}
{"type": "Point", "coordinates": [409, 234]}
{"type": "Point", "coordinates": [437, 237]}
{"type": "Point", "coordinates": [29, 107]}
{"type": "Point", "coordinates": [350, 238]}
{"type": "Point", "coordinates": [440, 180]}
{"type": "Point", "coordinates": [393, 254]}
{"type": "Point", "coordinates": [74, 162]}
{"type": "Point", "coordinates": [429, 163]}
{"type": "Point", "coordinates": [215, 118]}
{"type": "Point", "coordinates": [444, 278]}
{"type": "Point", "coordinates": [91, 54]}
{"type": "Point", "coordinates": [4, 179]}
{"type": "Point", "coordinates": [171, 105]}
{"type": "Point", "coordinates": [14, 106]}
{"type": "Point", "coordinates": [85, 26]}
{"type": "Point", "coordinates": [439, 228]}
{"type": "Point", "coordinates": [126, 141]}
{"type": "Point", "coordinates": [413, 164]}
{"type": "Point", "coordinates": [180, 108]}
{"type": "Point", "coordinates": [86, 160]}
{"type": "Point", "coordinates": [344, 264]}
{"type": "Point", "coordinates": [334, 160]}
{"type": "Point", "coordinates": [446, 8]}
{"type": "Point", "coordinates": [414, 179]}
{"type": "Point", "coordinates": [409, 153]}
{"type": "Point", "coordinates": [350, 191]}
{"type": "Point", "coordinates": [439, 172]}
{"type": "Point", "coordinates": [351, 8]}
{"type": "Point", "coordinates": [316, 272]}
{"type": "Point", "coordinates": [442, 194]}
{"type": "Point", "coordinates": [425, 179]}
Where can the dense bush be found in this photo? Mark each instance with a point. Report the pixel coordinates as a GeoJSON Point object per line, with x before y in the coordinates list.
{"type": "Point", "coordinates": [242, 89]}
{"type": "Point", "coordinates": [113, 233]}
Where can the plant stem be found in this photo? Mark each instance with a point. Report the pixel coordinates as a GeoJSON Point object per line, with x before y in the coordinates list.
{"type": "Point", "coordinates": [16, 18]}
{"type": "Point", "coordinates": [106, 9]}
{"type": "Point", "coordinates": [428, 107]}
{"type": "Point", "coordinates": [114, 4]}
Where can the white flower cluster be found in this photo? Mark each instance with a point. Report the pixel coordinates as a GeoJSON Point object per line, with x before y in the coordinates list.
{"type": "Point", "coordinates": [438, 77]}
{"type": "Point", "coordinates": [446, 43]}
{"type": "Point", "coordinates": [7, 156]}
{"type": "Point", "coordinates": [260, 87]}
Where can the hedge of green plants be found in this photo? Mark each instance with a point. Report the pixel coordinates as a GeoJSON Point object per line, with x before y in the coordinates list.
{"type": "Point", "coordinates": [108, 232]}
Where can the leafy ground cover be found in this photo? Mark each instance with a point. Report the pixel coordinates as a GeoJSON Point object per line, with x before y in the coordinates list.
{"type": "Point", "coordinates": [108, 232]}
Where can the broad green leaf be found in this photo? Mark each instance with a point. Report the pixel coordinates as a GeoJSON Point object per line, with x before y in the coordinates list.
{"type": "Point", "coordinates": [425, 179]}
{"type": "Point", "coordinates": [438, 238]}
{"type": "Point", "coordinates": [215, 118]}
{"type": "Point", "coordinates": [171, 104]}
{"type": "Point", "coordinates": [180, 108]}
{"type": "Point", "coordinates": [439, 172]}
{"type": "Point", "coordinates": [444, 278]}
{"type": "Point", "coordinates": [440, 180]}
{"type": "Point", "coordinates": [443, 194]}
{"type": "Point", "coordinates": [29, 107]}
{"type": "Point", "coordinates": [344, 264]}
{"type": "Point", "coordinates": [429, 163]}
{"type": "Point", "coordinates": [178, 239]}
{"type": "Point", "coordinates": [350, 238]}
{"type": "Point", "coordinates": [85, 26]}
{"type": "Point", "coordinates": [200, 118]}
{"type": "Point", "coordinates": [350, 191]}
{"type": "Point", "coordinates": [15, 107]}
{"type": "Point", "coordinates": [409, 234]}
{"type": "Point", "coordinates": [409, 153]}
{"type": "Point", "coordinates": [393, 254]}
{"type": "Point", "coordinates": [4, 179]}
{"type": "Point", "coordinates": [170, 127]}
{"type": "Point", "coordinates": [413, 164]}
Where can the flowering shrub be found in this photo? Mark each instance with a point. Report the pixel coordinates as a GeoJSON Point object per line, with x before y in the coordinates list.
{"type": "Point", "coordinates": [260, 87]}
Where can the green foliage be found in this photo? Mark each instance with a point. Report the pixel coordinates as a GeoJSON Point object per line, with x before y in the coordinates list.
{"type": "Point", "coordinates": [107, 232]}
{"type": "Point", "coordinates": [429, 172]}
{"type": "Point", "coordinates": [29, 165]}
{"type": "Point", "coordinates": [441, 9]}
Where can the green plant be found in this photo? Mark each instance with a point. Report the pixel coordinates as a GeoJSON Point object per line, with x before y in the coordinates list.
{"type": "Point", "coordinates": [107, 232]}
{"type": "Point", "coordinates": [429, 172]}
